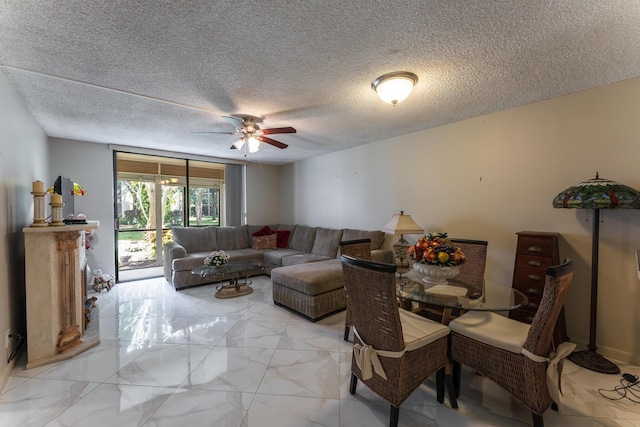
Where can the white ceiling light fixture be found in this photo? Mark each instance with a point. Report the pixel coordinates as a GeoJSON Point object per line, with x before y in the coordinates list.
{"type": "Point", "coordinates": [394, 87]}
{"type": "Point", "coordinates": [254, 145]}
{"type": "Point", "coordinates": [239, 143]}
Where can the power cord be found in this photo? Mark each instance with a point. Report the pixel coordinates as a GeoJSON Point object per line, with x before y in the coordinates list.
{"type": "Point", "coordinates": [629, 388]}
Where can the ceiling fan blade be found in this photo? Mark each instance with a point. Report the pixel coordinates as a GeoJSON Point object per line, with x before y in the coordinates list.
{"type": "Point", "coordinates": [277, 130]}
{"type": "Point", "coordinates": [235, 121]}
{"type": "Point", "coordinates": [271, 141]}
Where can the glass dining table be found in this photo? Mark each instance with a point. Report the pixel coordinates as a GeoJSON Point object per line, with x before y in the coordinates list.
{"type": "Point", "coordinates": [417, 295]}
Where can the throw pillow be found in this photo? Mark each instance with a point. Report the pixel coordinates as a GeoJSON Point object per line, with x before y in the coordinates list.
{"type": "Point", "coordinates": [265, 242]}
{"type": "Point", "coordinates": [264, 231]}
{"type": "Point", "coordinates": [283, 238]}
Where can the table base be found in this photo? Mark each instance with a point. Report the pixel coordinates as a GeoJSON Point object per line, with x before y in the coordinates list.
{"type": "Point", "coordinates": [233, 289]}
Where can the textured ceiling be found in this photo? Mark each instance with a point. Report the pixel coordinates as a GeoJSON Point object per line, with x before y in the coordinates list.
{"type": "Point", "coordinates": [149, 73]}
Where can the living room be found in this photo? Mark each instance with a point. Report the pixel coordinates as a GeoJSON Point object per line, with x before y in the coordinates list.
{"type": "Point", "coordinates": [486, 177]}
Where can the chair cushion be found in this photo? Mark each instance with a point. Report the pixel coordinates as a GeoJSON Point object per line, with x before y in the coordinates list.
{"type": "Point", "coordinates": [419, 331]}
{"type": "Point", "coordinates": [492, 329]}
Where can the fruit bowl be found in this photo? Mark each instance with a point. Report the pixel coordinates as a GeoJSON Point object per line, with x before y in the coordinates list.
{"type": "Point", "coordinates": [435, 274]}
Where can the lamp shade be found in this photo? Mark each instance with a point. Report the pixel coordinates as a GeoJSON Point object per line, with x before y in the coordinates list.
{"type": "Point", "coordinates": [598, 193]}
{"type": "Point", "coordinates": [402, 224]}
{"type": "Point", "coordinates": [394, 87]}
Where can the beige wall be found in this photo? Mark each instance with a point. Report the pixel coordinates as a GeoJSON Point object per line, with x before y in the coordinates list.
{"type": "Point", "coordinates": [263, 194]}
{"type": "Point", "coordinates": [23, 159]}
{"type": "Point", "coordinates": [492, 176]}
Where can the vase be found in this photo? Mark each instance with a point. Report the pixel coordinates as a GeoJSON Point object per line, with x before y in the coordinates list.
{"type": "Point", "coordinates": [436, 274]}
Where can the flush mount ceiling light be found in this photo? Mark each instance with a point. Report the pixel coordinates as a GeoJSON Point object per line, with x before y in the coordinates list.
{"type": "Point", "coordinates": [394, 87]}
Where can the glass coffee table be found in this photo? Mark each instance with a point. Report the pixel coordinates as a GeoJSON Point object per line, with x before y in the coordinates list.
{"type": "Point", "coordinates": [233, 271]}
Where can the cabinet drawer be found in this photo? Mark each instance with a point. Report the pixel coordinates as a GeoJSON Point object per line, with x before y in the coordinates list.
{"type": "Point", "coordinates": [522, 315]}
{"type": "Point", "coordinates": [538, 246]}
{"type": "Point", "coordinates": [533, 262]}
{"type": "Point", "coordinates": [532, 291]}
{"type": "Point", "coordinates": [525, 275]}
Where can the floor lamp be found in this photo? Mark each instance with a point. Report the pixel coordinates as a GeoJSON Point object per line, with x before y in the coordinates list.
{"type": "Point", "coordinates": [597, 193]}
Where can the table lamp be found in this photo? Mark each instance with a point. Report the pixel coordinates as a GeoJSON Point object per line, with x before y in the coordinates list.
{"type": "Point", "coordinates": [402, 224]}
{"type": "Point", "coordinates": [597, 193]}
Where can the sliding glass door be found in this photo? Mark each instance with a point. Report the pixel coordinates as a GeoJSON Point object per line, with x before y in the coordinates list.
{"type": "Point", "coordinates": [155, 194]}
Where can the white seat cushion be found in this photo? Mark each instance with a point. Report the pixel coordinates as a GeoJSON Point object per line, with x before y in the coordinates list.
{"type": "Point", "coordinates": [419, 331]}
{"type": "Point", "coordinates": [493, 329]}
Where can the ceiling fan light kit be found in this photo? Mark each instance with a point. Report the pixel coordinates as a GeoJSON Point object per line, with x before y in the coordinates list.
{"type": "Point", "coordinates": [394, 87]}
{"type": "Point", "coordinates": [252, 135]}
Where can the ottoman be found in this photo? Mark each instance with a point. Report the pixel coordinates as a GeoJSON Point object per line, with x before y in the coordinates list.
{"type": "Point", "coordinates": [314, 289]}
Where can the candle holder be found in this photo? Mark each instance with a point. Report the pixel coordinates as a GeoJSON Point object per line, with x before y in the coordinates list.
{"type": "Point", "coordinates": [38, 209]}
{"type": "Point", "coordinates": [56, 214]}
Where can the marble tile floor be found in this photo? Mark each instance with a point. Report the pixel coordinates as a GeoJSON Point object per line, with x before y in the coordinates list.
{"type": "Point", "coordinates": [185, 358]}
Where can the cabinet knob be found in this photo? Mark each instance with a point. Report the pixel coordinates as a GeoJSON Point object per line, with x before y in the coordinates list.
{"type": "Point", "coordinates": [534, 249]}
{"type": "Point", "coordinates": [533, 277]}
{"type": "Point", "coordinates": [533, 263]}
{"type": "Point", "coordinates": [533, 291]}
{"type": "Point", "coordinates": [533, 305]}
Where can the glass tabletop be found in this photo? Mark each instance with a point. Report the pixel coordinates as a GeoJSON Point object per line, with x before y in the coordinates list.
{"type": "Point", "coordinates": [230, 267]}
{"type": "Point", "coordinates": [491, 296]}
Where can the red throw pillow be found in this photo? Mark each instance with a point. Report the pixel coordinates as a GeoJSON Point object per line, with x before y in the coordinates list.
{"type": "Point", "coordinates": [283, 238]}
{"type": "Point", "coordinates": [264, 231]}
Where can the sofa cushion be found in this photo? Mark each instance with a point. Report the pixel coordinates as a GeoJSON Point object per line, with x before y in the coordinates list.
{"type": "Point", "coordinates": [229, 238]}
{"type": "Point", "coordinates": [311, 279]}
{"type": "Point", "coordinates": [302, 238]}
{"type": "Point", "coordinates": [327, 242]}
{"type": "Point", "coordinates": [195, 239]}
{"type": "Point", "coordinates": [191, 261]}
{"type": "Point", "coordinates": [265, 242]}
{"type": "Point", "coordinates": [377, 237]}
{"type": "Point", "coordinates": [302, 258]}
{"type": "Point", "coordinates": [275, 256]}
{"type": "Point", "coordinates": [284, 228]}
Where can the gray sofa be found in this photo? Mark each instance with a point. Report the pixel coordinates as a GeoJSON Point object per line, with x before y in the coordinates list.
{"type": "Point", "coordinates": [310, 246]}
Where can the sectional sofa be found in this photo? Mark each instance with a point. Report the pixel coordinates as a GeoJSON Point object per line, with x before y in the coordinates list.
{"type": "Point", "coordinates": [304, 264]}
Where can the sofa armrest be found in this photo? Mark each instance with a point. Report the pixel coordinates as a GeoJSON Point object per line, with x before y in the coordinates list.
{"type": "Point", "coordinates": [385, 256]}
{"type": "Point", "coordinates": [171, 251]}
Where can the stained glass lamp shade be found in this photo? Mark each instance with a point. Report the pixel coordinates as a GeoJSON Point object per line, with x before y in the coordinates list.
{"type": "Point", "coordinates": [597, 193]}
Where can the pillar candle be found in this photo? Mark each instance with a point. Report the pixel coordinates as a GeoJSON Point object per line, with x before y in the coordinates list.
{"type": "Point", "coordinates": [37, 187]}
{"type": "Point", "coordinates": [56, 198]}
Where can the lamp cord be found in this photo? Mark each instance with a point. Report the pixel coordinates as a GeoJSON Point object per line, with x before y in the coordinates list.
{"type": "Point", "coordinates": [629, 388]}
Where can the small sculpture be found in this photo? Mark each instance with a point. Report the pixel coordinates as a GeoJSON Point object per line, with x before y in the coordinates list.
{"type": "Point", "coordinates": [102, 281]}
{"type": "Point", "coordinates": [88, 305]}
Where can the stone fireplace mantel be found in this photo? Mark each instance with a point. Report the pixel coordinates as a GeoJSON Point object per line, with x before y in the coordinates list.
{"type": "Point", "coordinates": [55, 265]}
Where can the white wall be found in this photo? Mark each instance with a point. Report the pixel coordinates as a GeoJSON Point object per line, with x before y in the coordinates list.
{"type": "Point", "coordinates": [23, 159]}
{"type": "Point", "coordinates": [263, 194]}
{"type": "Point", "coordinates": [90, 165]}
{"type": "Point", "coordinates": [492, 176]}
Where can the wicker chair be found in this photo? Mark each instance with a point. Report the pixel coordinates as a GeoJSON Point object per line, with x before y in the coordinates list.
{"type": "Point", "coordinates": [360, 249]}
{"type": "Point", "coordinates": [471, 274]}
{"type": "Point", "coordinates": [503, 349]}
{"type": "Point", "coordinates": [409, 348]}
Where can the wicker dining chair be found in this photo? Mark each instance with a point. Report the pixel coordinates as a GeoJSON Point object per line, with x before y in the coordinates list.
{"type": "Point", "coordinates": [360, 249]}
{"type": "Point", "coordinates": [395, 350]}
{"type": "Point", "coordinates": [471, 274]}
{"type": "Point", "coordinates": [514, 354]}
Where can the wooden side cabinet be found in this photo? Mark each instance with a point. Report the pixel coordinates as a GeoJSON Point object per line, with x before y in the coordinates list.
{"type": "Point", "coordinates": [536, 251]}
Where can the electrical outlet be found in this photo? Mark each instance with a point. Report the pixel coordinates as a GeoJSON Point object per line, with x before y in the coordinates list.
{"type": "Point", "coordinates": [6, 338]}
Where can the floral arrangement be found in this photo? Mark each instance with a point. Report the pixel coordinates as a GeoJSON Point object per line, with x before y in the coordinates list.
{"type": "Point", "coordinates": [217, 258]}
{"type": "Point", "coordinates": [436, 249]}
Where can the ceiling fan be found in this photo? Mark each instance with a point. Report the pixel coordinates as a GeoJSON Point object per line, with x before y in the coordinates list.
{"type": "Point", "coordinates": [251, 133]}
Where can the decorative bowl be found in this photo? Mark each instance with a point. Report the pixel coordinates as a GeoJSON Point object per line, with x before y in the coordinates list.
{"type": "Point", "coordinates": [435, 274]}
